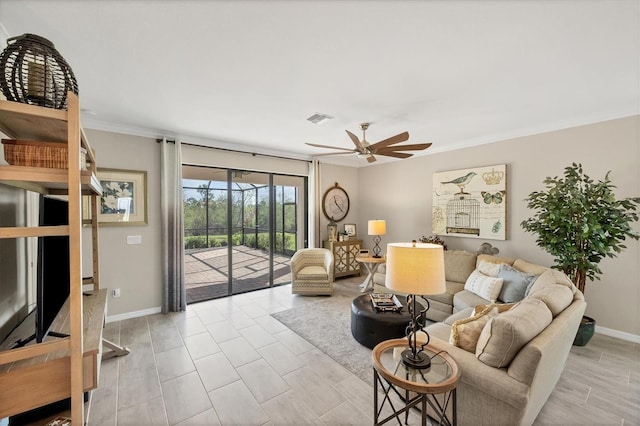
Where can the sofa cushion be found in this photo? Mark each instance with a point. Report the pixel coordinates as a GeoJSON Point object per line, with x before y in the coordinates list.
{"type": "Point", "coordinates": [465, 332]}
{"type": "Point", "coordinates": [440, 330]}
{"type": "Point", "coordinates": [528, 267]}
{"type": "Point", "coordinates": [452, 288]}
{"type": "Point", "coordinates": [504, 335]}
{"type": "Point", "coordinates": [458, 265]}
{"type": "Point", "coordinates": [549, 278]}
{"type": "Point", "coordinates": [465, 313]}
{"type": "Point", "coordinates": [312, 273]}
{"type": "Point", "coordinates": [557, 297]}
{"type": "Point", "coordinates": [515, 283]}
{"type": "Point", "coordinates": [484, 286]}
{"type": "Point", "coordinates": [465, 299]}
{"type": "Point", "coordinates": [495, 259]}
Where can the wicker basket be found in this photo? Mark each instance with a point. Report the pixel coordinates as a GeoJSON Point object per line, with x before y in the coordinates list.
{"type": "Point", "coordinates": [33, 72]}
{"type": "Point", "coordinates": [51, 155]}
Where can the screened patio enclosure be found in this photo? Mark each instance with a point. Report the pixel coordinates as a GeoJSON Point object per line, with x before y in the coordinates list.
{"type": "Point", "coordinates": [240, 229]}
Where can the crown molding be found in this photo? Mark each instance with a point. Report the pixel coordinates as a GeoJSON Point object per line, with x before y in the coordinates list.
{"type": "Point", "coordinates": [91, 123]}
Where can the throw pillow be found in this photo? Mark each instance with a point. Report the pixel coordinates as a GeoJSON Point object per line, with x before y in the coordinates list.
{"type": "Point", "coordinates": [557, 297]}
{"type": "Point", "coordinates": [502, 307]}
{"type": "Point", "coordinates": [515, 283]}
{"type": "Point", "coordinates": [504, 335]}
{"type": "Point", "coordinates": [465, 332]}
{"type": "Point", "coordinates": [489, 268]}
{"type": "Point", "coordinates": [552, 277]}
{"type": "Point", "coordinates": [528, 267]}
{"type": "Point", "coordinates": [484, 286]}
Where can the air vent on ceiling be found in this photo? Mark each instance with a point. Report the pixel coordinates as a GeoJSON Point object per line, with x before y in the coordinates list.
{"type": "Point", "coordinates": [319, 117]}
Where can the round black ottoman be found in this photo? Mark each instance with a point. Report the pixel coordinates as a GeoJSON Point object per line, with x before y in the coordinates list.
{"type": "Point", "coordinates": [370, 327]}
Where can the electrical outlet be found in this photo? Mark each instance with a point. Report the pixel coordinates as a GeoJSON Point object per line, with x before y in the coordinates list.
{"type": "Point", "coordinates": [116, 292]}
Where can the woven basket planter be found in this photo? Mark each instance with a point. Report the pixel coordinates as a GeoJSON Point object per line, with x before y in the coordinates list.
{"type": "Point", "coordinates": [33, 72]}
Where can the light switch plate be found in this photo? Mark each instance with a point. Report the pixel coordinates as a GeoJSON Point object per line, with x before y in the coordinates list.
{"type": "Point", "coordinates": [134, 239]}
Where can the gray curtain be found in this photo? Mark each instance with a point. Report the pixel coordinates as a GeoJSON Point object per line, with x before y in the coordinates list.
{"type": "Point", "coordinates": [173, 291]}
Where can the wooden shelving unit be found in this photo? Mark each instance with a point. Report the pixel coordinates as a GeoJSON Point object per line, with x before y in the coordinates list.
{"type": "Point", "coordinates": [40, 373]}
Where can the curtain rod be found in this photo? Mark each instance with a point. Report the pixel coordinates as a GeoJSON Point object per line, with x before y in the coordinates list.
{"type": "Point", "coordinates": [241, 152]}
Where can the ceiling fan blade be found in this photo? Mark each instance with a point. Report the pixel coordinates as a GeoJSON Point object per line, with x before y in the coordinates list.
{"type": "Point", "coordinates": [355, 140]}
{"type": "Point", "coordinates": [371, 158]}
{"type": "Point", "coordinates": [335, 153]}
{"type": "Point", "coordinates": [412, 147]}
{"type": "Point", "coordinates": [394, 154]}
{"type": "Point", "coordinates": [330, 147]}
{"type": "Point", "coordinates": [400, 137]}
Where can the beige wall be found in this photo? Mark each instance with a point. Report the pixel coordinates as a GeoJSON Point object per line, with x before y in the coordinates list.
{"type": "Point", "coordinates": [400, 192]}
{"type": "Point", "coordinates": [135, 269]}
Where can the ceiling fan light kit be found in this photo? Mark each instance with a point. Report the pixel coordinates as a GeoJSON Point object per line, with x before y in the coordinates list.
{"type": "Point", "coordinates": [386, 147]}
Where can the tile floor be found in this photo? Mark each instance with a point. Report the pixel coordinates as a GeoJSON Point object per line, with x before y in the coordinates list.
{"type": "Point", "coordinates": [228, 362]}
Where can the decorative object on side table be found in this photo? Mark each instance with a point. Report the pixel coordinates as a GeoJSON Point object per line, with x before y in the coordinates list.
{"type": "Point", "coordinates": [332, 230]}
{"type": "Point", "coordinates": [416, 269]}
{"type": "Point", "coordinates": [33, 72]}
{"type": "Point", "coordinates": [580, 222]}
{"type": "Point", "coordinates": [377, 228]}
{"type": "Point", "coordinates": [350, 229]}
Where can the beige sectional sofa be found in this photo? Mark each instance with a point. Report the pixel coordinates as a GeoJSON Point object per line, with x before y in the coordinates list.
{"type": "Point", "coordinates": [520, 353]}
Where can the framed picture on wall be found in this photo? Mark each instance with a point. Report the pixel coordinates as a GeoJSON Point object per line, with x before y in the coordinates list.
{"type": "Point", "coordinates": [471, 203]}
{"type": "Point", "coordinates": [124, 197]}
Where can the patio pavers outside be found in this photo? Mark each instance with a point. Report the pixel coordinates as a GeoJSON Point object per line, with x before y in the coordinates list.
{"type": "Point", "coordinates": [206, 271]}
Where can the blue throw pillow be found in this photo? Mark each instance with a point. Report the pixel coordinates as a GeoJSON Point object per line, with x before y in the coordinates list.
{"type": "Point", "coordinates": [515, 283]}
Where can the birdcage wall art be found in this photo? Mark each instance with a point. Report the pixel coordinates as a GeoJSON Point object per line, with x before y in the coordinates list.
{"type": "Point", "coordinates": [462, 215]}
{"type": "Point", "coordinates": [33, 72]}
{"type": "Point", "coordinates": [470, 202]}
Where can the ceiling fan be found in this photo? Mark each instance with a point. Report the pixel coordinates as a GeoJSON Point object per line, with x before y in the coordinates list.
{"type": "Point", "coordinates": [385, 147]}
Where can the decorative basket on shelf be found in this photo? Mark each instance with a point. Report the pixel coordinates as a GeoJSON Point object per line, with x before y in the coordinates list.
{"type": "Point", "coordinates": [33, 72]}
{"type": "Point", "coordinates": [53, 155]}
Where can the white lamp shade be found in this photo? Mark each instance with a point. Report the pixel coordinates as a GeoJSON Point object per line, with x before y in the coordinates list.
{"type": "Point", "coordinates": [377, 227]}
{"type": "Point", "coordinates": [415, 269]}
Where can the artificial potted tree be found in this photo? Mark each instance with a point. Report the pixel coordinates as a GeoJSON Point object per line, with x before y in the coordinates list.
{"type": "Point", "coordinates": [579, 222]}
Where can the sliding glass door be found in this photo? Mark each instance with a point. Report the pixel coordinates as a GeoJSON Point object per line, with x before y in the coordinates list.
{"type": "Point", "coordinates": [241, 229]}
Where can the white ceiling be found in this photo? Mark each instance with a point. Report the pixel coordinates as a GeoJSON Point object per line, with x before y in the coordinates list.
{"type": "Point", "coordinates": [247, 74]}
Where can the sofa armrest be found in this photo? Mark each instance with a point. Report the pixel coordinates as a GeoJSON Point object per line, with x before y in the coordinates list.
{"type": "Point", "coordinates": [495, 382]}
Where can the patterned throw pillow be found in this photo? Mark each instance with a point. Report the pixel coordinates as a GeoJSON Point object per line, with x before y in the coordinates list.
{"type": "Point", "coordinates": [502, 307]}
{"type": "Point", "coordinates": [489, 268]}
{"type": "Point", "coordinates": [465, 332]}
{"type": "Point", "coordinates": [484, 286]}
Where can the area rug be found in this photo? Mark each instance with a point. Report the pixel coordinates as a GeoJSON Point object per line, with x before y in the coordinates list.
{"type": "Point", "coordinates": [326, 324]}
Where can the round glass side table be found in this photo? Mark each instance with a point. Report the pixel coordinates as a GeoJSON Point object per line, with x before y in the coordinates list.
{"type": "Point", "coordinates": [432, 390]}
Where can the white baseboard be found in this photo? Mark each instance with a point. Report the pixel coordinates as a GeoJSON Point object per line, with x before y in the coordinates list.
{"type": "Point", "coordinates": [134, 314]}
{"type": "Point", "coordinates": [619, 334]}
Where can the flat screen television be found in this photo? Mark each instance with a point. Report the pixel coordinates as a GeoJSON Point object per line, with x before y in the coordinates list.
{"type": "Point", "coordinates": [53, 274]}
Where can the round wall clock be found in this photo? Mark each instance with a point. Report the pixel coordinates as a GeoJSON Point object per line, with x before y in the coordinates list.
{"type": "Point", "coordinates": [335, 203]}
